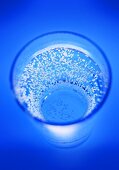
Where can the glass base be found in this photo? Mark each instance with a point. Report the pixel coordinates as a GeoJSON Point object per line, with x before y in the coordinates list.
{"type": "Point", "coordinates": [64, 105]}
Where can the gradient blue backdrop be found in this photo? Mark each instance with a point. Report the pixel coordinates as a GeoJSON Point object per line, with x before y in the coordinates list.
{"type": "Point", "coordinates": [22, 146]}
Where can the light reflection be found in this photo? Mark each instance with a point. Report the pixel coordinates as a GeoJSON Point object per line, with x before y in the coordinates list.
{"type": "Point", "coordinates": [62, 131]}
{"type": "Point", "coordinates": [68, 135]}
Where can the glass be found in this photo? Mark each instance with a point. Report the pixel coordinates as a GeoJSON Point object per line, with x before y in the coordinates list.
{"type": "Point", "coordinates": [61, 79]}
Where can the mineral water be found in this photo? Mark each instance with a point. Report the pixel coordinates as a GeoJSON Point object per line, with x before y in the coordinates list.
{"type": "Point", "coordinates": [60, 84]}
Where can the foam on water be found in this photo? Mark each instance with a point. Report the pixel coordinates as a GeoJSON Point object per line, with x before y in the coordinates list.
{"type": "Point", "coordinates": [60, 84]}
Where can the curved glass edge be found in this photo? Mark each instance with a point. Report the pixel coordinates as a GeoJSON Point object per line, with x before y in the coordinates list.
{"type": "Point", "coordinates": [75, 34]}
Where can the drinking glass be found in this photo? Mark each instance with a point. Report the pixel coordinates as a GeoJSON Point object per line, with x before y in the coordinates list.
{"type": "Point", "coordinates": [61, 79]}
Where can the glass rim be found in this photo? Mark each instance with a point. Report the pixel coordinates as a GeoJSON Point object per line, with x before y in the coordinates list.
{"type": "Point", "coordinates": [68, 33]}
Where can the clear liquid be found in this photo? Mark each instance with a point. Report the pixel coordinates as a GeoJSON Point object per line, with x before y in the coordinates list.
{"type": "Point", "coordinates": [64, 105]}
{"type": "Point", "coordinates": [60, 84]}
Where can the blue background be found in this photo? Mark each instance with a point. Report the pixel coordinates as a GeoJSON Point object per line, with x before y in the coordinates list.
{"type": "Point", "coordinates": [22, 146]}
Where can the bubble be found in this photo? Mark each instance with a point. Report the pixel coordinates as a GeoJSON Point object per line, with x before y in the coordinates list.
{"type": "Point", "coordinates": [60, 84]}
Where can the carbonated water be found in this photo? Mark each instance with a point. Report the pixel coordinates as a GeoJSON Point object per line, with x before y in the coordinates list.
{"type": "Point", "coordinates": [60, 84]}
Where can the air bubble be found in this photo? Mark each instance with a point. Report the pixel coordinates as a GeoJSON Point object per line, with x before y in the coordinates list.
{"type": "Point", "coordinates": [60, 68]}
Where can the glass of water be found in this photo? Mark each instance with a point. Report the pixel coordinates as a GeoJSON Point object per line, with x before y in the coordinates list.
{"type": "Point", "coordinates": [61, 79]}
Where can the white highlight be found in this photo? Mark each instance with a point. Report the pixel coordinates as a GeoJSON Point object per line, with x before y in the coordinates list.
{"type": "Point", "coordinates": [62, 131]}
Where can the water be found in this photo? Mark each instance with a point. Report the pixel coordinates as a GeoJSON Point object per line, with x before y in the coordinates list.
{"type": "Point", "coordinates": [64, 105]}
{"type": "Point", "coordinates": [60, 84]}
